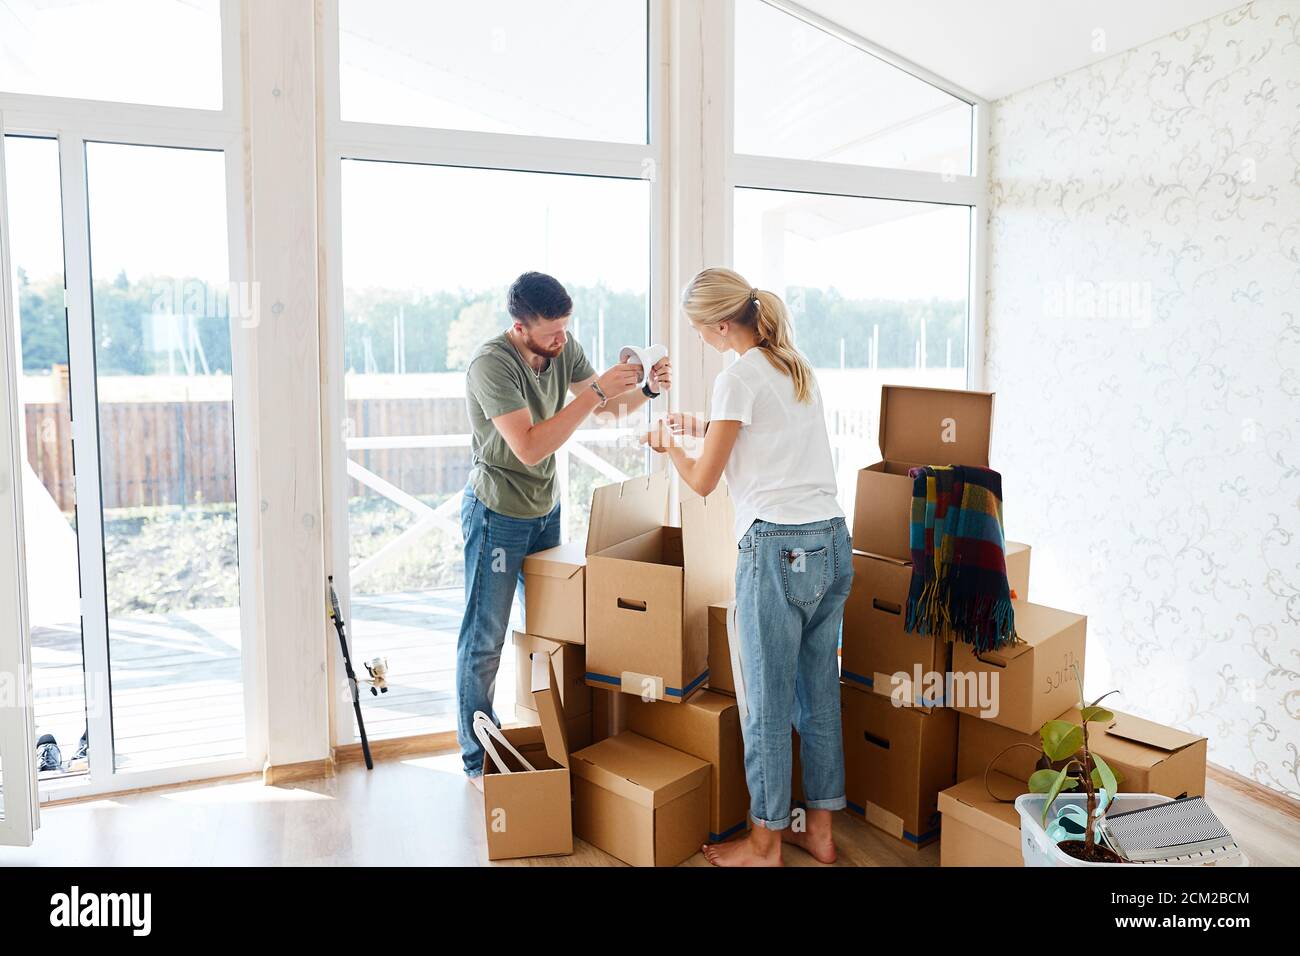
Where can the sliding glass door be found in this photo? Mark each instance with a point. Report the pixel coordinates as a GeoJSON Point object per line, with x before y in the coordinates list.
{"type": "Point", "coordinates": [45, 423]}
{"type": "Point", "coordinates": [160, 285]}
{"type": "Point", "coordinates": [125, 370]}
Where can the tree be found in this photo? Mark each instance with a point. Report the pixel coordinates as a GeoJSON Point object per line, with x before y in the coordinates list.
{"type": "Point", "coordinates": [474, 324]}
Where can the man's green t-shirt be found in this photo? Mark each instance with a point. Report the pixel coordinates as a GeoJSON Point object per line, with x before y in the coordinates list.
{"type": "Point", "coordinates": [499, 381]}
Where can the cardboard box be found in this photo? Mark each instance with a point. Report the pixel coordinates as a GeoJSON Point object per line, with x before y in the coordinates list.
{"type": "Point", "coordinates": [896, 760]}
{"type": "Point", "coordinates": [979, 830]}
{"type": "Point", "coordinates": [570, 668]}
{"type": "Point", "coordinates": [530, 812]}
{"type": "Point", "coordinates": [918, 426]}
{"type": "Point", "coordinates": [720, 671]}
{"type": "Point", "coordinates": [1028, 682]}
{"type": "Point", "coordinates": [1018, 569]}
{"type": "Point", "coordinates": [554, 593]}
{"type": "Point", "coordinates": [1150, 757]}
{"type": "Point", "coordinates": [608, 713]}
{"type": "Point", "coordinates": [879, 656]}
{"type": "Point", "coordinates": [649, 587]}
{"type": "Point", "coordinates": [640, 800]}
{"type": "Point", "coordinates": [578, 727]}
{"type": "Point", "coordinates": [706, 726]}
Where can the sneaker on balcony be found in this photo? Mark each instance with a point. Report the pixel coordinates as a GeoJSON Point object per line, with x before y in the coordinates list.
{"type": "Point", "coordinates": [48, 756]}
{"type": "Point", "coordinates": [80, 759]}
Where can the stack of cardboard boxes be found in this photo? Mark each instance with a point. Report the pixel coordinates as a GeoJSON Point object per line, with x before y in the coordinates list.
{"type": "Point", "coordinates": [910, 768]}
{"type": "Point", "coordinates": [627, 692]}
{"type": "Point", "coordinates": [655, 760]}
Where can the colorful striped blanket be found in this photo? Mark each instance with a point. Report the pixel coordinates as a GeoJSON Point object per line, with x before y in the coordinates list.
{"type": "Point", "coordinates": [959, 565]}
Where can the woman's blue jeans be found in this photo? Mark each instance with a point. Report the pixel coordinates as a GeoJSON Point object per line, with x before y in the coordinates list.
{"type": "Point", "coordinates": [791, 585]}
{"type": "Point", "coordinates": [495, 547]}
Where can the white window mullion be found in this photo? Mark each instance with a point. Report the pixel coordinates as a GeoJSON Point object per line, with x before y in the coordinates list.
{"type": "Point", "coordinates": [838, 179]}
{"type": "Point", "coordinates": [976, 357]}
{"type": "Point", "coordinates": [489, 150]}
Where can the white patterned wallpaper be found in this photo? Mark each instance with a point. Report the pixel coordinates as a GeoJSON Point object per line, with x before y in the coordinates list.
{"type": "Point", "coordinates": [1144, 344]}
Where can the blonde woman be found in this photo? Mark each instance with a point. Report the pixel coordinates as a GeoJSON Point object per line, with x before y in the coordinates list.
{"type": "Point", "coordinates": [794, 562]}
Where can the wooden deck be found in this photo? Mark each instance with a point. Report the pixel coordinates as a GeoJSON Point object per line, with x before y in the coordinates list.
{"type": "Point", "coordinates": [178, 691]}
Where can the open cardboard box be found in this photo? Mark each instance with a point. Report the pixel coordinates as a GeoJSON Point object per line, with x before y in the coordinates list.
{"type": "Point", "coordinates": [650, 584]}
{"type": "Point", "coordinates": [918, 426]}
{"type": "Point", "coordinates": [530, 812]}
{"type": "Point", "coordinates": [570, 668]}
{"type": "Point", "coordinates": [1029, 681]}
{"type": "Point", "coordinates": [721, 676]}
{"type": "Point", "coordinates": [1150, 757]}
{"type": "Point", "coordinates": [577, 727]}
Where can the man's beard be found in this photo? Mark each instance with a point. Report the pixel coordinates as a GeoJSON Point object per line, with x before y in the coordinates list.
{"type": "Point", "coordinates": [539, 350]}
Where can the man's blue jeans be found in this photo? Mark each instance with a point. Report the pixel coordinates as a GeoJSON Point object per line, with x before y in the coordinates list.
{"type": "Point", "coordinates": [495, 546]}
{"type": "Point", "coordinates": [791, 585]}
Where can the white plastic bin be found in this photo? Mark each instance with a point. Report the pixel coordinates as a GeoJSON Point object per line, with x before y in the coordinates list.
{"type": "Point", "coordinates": [1038, 850]}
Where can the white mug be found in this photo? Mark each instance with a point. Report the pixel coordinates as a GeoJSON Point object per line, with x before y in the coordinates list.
{"type": "Point", "coordinates": [646, 357]}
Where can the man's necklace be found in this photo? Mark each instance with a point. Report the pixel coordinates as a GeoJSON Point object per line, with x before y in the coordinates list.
{"type": "Point", "coordinates": [537, 372]}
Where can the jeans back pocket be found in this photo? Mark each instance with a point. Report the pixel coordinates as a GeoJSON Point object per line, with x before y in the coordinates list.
{"type": "Point", "coordinates": [806, 574]}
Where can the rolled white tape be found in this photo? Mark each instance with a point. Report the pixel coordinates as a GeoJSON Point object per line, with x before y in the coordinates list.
{"type": "Point", "coordinates": [646, 357]}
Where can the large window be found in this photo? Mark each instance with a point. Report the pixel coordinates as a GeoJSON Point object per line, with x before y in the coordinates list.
{"type": "Point", "coordinates": [428, 254]}
{"type": "Point", "coordinates": [856, 192]}
{"type": "Point", "coordinates": [160, 52]}
{"type": "Point", "coordinates": [471, 145]}
{"type": "Point", "coordinates": [877, 290]}
{"type": "Point", "coordinates": [575, 70]}
{"type": "Point", "coordinates": [124, 151]}
{"type": "Point", "coordinates": [804, 94]}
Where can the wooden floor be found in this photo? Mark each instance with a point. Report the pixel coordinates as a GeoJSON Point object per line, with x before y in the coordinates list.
{"type": "Point", "coordinates": [420, 812]}
{"type": "Point", "coordinates": [178, 689]}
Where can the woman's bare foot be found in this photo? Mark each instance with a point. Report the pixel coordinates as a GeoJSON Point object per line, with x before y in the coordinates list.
{"type": "Point", "coordinates": [763, 851]}
{"type": "Point", "coordinates": [815, 837]}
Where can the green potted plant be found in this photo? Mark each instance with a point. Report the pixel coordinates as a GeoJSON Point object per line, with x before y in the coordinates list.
{"type": "Point", "coordinates": [1070, 764]}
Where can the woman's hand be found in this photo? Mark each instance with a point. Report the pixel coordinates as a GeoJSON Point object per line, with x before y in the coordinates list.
{"type": "Point", "coordinates": [660, 378]}
{"type": "Point", "coordinates": [659, 438]}
{"type": "Point", "coordinates": [686, 423]}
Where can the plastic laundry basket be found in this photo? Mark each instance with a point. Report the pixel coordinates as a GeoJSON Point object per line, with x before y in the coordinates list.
{"type": "Point", "coordinates": [1040, 850]}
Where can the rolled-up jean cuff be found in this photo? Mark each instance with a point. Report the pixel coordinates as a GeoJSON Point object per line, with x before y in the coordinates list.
{"type": "Point", "coordinates": [835, 803]}
{"type": "Point", "coordinates": [781, 824]}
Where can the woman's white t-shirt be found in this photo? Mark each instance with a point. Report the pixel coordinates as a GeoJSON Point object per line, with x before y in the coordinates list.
{"type": "Point", "coordinates": [780, 469]}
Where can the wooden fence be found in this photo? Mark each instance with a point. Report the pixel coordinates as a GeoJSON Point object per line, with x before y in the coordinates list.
{"type": "Point", "coordinates": [172, 453]}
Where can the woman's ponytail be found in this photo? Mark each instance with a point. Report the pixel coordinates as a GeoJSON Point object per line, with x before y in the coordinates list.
{"type": "Point", "coordinates": [775, 337]}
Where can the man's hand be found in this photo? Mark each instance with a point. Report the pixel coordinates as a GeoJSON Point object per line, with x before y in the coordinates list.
{"type": "Point", "coordinates": [619, 379]}
{"type": "Point", "coordinates": [686, 423]}
{"type": "Point", "coordinates": [661, 376]}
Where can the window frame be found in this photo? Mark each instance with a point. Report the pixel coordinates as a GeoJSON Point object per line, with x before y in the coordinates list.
{"type": "Point", "coordinates": [351, 139]}
{"type": "Point", "coordinates": [74, 123]}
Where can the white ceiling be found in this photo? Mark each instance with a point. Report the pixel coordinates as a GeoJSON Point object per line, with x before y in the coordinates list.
{"type": "Point", "coordinates": [996, 47]}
